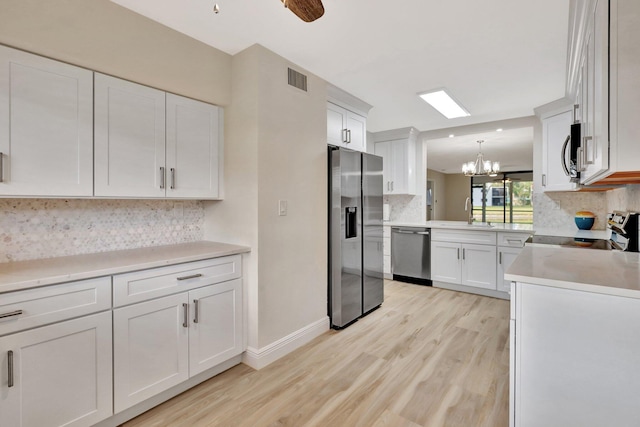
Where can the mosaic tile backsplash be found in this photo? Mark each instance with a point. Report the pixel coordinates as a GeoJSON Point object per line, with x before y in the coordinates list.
{"type": "Point", "coordinates": [46, 228]}
{"type": "Point", "coordinates": [404, 208]}
{"type": "Point", "coordinates": [556, 210]}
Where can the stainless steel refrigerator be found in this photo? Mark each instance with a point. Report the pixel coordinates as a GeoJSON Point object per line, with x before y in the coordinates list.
{"type": "Point", "coordinates": [355, 235]}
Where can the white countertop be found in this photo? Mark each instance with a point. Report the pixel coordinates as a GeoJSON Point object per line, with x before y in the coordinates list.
{"type": "Point", "coordinates": [591, 270]}
{"type": "Point", "coordinates": [463, 225]}
{"type": "Point", "coordinates": [28, 274]}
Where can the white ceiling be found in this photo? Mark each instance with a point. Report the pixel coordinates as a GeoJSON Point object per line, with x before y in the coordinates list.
{"type": "Point", "coordinates": [499, 58]}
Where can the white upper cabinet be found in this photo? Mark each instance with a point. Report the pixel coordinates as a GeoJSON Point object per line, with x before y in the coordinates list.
{"type": "Point", "coordinates": [129, 139]}
{"type": "Point", "coordinates": [345, 128]}
{"type": "Point", "coordinates": [46, 138]}
{"type": "Point", "coordinates": [603, 69]}
{"type": "Point", "coordinates": [193, 148]}
{"type": "Point", "coordinates": [134, 155]}
{"type": "Point", "coordinates": [398, 161]}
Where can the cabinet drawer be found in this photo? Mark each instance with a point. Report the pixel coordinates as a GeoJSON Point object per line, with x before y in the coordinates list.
{"type": "Point", "coordinates": [459, 236]}
{"type": "Point", "coordinates": [51, 304]}
{"type": "Point", "coordinates": [514, 240]}
{"type": "Point", "coordinates": [143, 285]}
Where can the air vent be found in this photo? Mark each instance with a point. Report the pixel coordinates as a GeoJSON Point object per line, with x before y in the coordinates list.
{"type": "Point", "coordinates": [298, 80]}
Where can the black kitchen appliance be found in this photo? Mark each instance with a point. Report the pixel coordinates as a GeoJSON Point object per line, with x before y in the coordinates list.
{"type": "Point", "coordinates": [571, 165]}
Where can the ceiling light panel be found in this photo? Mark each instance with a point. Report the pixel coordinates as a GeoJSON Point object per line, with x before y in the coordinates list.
{"type": "Point", "coordinates": [444, 103]}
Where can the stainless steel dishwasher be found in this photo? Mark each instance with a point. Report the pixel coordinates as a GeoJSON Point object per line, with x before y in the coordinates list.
{"type": "Point", "coordinates": [411, 254]}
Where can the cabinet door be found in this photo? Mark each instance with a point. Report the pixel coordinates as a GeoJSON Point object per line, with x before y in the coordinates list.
{"type": "Point", "coordinates": [576, 358]}
{"type": "Point", "coordinates": [129, 139]}
{"type": "Point", "coordinates": [357, 132]}
{"type": "Point", "coordinates": [383, 149]}
{"type": "Point", "coordinates": [555, 130]}
{"type": "Point", "coordinates": [446, 262]}
{"type": "Point", "coordinates": [46, 126]}
{"type": "Point", "coordinates": [61, 374]}
{"type": "Point", "coordinates": [336, 125]}
{"type": "Point", "coordinates": [400, 170]}
{"type": "Point", "coordinates": [506, 256]}
{"type": "Point", "coordinates": [194, 132]}
{"type": "Point", "coordinates": [596, 136]}
{"type": "Point", "coordinates": [150, 348]}
{"type": "Point", "coordinates": [216, 328]}
{"type": "Point", "coordinates": [479, 266]}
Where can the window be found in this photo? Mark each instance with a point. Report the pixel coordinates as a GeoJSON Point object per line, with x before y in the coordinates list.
{"type": "Point", "coordinates": [505, 198]}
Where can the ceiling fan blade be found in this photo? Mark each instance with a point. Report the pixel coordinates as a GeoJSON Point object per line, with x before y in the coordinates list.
{"type": "Point", "coordinates": [307, 10]}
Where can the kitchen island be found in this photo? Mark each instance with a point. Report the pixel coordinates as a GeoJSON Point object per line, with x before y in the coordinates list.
{"type": "Point", "coordinates": [574, 340]}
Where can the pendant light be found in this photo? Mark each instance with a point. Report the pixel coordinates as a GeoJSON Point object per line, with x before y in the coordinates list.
{"type": "Point", "coordinates": [480, 167]}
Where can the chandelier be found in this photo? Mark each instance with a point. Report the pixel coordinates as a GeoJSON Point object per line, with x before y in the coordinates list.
{"type": "Point", "coordinates": [481, 166]}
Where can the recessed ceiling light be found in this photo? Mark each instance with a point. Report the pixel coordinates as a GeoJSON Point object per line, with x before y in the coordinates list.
{"type": "Point", "coordinates": [451, 136]}
{"type": "Point", "coordinates": [444, 103]}
{"type": "Point", "coordinates": [499, 130]}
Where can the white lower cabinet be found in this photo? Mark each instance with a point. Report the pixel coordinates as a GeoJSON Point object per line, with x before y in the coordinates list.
{"type": "Point", "coordinates": [57, 375]}
{"type": "Point", "coordinates": [506, 256]}
{"type": "Point", "coordinates": [150, 349]}
{"type": "Point", "coordinates": [162, 342]}
{"type": "Point", "coordinates": [215, 334]}
{"type": "Point", "coordinates": [464, 264]}
{"type": "Point", "coordinates": [574, 360]}
{"type": "Point", "coordinates": [446, 264]}
{"type": "Point", "coordinates": [478, 266]}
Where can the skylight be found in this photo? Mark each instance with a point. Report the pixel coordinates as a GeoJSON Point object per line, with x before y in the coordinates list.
{"type": "Point", "coordinates": [444, 103]}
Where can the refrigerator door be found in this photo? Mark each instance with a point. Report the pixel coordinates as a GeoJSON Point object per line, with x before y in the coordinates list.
{"type": "Point", "coordinates": [345, 237]}
{"type": "Point", "coordinates": [373, 282]}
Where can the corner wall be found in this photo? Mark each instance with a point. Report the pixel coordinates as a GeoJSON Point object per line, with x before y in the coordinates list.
{"type": "Point", "coordinates": [276, 150]}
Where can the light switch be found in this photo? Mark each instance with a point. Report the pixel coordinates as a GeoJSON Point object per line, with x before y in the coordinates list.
{"type": "Point", "coordinates": [282, 207]}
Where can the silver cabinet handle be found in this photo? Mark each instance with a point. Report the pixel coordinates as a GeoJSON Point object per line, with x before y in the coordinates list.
{"type": "Point", "coordinates": [349, 136]}
{"type": "Point", "coordinates": [185, 322]}
{"type": "Point", "coordinates": [544, 180]}
{"type": "Point", "coordinates": [458, 253]}
{"type": "Point", "coordinates": [162, 177]}
{"type": "Point", "coordinates": [344, 135]}
{"type": "Point", "coordinates": [1, 166]}
{"type": "Point", "coordinates": [580, 159]}
{"type": "Point", "coordinates": [500, 258]}
{"type": "Point", "coordinates": [192, 276]}
{"type": "Point", "coordinates": [10, 360]}
{"type": "Point", "coordinates": [11, 314]}
{"type": "Point", "coordinates": [195, 314]}
{"type": "Point", "coordinates": [586, 154]}
{"type": "Point", "coordinates": [563, 156]}
{"type": "Point", "coordinates": [514, 240]}
{"type": "Point", "coordinates": [463, 253]}
{"type": "Point", "coordinates": [173, 178]}
{"type": "Point", "coordinates": [392, 185]}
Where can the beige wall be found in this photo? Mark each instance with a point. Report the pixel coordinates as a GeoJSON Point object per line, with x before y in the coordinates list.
{"type": "Point", "coordinates": [277, 134]}
{"type": "Point", "coordinates": [105, 37]}
{"type": "Point", "coordinates": [440, 194]}
{"type": "Point", "coordinates": [458, 188]}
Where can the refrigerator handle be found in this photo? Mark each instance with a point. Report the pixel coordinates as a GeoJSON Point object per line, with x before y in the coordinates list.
{"type": "Point", "coordinates": [351, 229]}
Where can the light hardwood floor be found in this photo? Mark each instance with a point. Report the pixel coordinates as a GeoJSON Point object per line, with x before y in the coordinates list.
{"type": "Point", "coordinates": [427, 357]}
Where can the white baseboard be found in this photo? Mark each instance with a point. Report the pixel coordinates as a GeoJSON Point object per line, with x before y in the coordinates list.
{"type": "Point", "coordinates": [259, 358]}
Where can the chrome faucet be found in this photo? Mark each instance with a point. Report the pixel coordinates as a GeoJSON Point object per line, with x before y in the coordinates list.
{"type": "Point", "coordinates": [469, 208]}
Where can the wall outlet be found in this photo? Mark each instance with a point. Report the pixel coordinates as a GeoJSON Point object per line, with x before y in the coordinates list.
{"type": "Point", "coordinates": [282, 207]}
